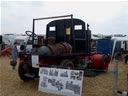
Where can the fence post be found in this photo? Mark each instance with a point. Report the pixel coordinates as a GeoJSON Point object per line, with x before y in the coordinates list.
{"type": "Point", "coordinates": [127, 84]}
{"type": "Point", "coordinates": [115, 77]}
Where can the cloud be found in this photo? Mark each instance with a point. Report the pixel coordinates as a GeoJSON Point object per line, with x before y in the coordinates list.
{"type": "Point", "coordinates": [93, 11]}
{"type": "Point", "coordinates": [17, 16]}
{"type": "Point", "coordinates": [103, 17]}
{"type": "Point", "coordinates": [117, 24]}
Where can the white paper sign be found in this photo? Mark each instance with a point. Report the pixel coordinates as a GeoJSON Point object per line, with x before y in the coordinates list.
{"type": "Point", "coordinates": [61, 81]}
{"type": "Point", "coordinates": [35, 61]}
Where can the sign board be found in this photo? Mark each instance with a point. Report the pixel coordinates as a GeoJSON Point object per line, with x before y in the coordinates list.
{"type": "Point", "coordinates": [61, 81]}
{"type": "Point", "coordinates": [35, 61]}
{"type": "Point", "coordinates": [68, 31]}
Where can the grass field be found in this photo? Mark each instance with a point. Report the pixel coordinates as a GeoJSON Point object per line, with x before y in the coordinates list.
{"type": "Point", "coordinates": [101, 85]}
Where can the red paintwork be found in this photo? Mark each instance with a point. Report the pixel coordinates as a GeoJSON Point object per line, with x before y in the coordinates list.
{"type": "Point", "coordinates": [6, 51]}
{"type": "Point", "coordinates": [46, 62]}
{"type": "Point", "coordinates": [50, 61]}
{"type": "Point", "coordinates": [69, 67]}
{"type": "Point", "coordinates": [95, 60]}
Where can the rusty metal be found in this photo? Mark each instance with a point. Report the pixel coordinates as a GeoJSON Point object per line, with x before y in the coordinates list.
{"type": "Point", "coordinates": [53, 49]}
{"type": "Point", "coordinates": [51, 40]}
{"type": "Point", "coordinates": [61, 48]}
{"type": "Point", "coordinates": [53, 17]}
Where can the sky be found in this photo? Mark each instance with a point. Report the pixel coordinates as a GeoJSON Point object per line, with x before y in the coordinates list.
{"type": "Point", "coordinates": [104, 17]}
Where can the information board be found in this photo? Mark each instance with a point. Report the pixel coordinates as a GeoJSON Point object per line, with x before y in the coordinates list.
{"type": "Point", "coordinates": [35, 61]}
{"type": "Point", "coordinates": [61, 81]}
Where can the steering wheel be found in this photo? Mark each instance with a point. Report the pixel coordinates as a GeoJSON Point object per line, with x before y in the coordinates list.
{"type": "Point", "coordinates": [30, 33]}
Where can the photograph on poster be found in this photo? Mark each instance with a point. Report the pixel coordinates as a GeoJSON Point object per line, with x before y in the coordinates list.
{"type": "Point", "coordinates": [56, 83]}
{"type": "Point", "coordinates": [45, 78]}
{"type": "Point", "coordinates": [44, 71]}
{"type": "Point", "coordinates": [71, 86]}
{"type": "Point", "coordinates": [64, 74]}
{"type": "Point", "coordinates": [52, 81]}
{"type": "Point", "coordinates": [43, 84]}
{"type": "Point", "coordinates": [76, 75]}
{"type": "Point", "coordinates": [53, 73]}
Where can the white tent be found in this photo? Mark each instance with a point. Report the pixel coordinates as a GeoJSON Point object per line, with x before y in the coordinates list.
{"type": "Point", "coordinates": [94, 37]}
{"type": "Point", "coordinates": [121, 38]}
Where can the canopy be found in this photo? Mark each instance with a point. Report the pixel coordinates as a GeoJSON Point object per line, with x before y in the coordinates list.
{"type": "Point", "coordinates": [120, 38]}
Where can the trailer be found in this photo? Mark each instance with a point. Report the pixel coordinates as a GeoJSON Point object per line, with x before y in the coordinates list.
{"type": "Point", "coordinates": [67, 45]}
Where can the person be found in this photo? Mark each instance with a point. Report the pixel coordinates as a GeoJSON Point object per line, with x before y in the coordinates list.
{"type": "Point", "coordinates": [2, 46]}
{"type": "Point", "coordinates": [126, 59]}
{"type": "Point", "coordinates": [14, 54]}
{"type": "Point", "coordinates": [121, 52]}
{"type": "Point", "coordinates": [23, 47]}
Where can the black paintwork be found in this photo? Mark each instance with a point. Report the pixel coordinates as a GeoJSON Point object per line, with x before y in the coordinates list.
{"type": "Point", "coordinates": [79, 39]}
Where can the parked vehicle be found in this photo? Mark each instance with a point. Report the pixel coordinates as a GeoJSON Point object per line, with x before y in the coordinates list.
{"type": "Point", "coordinates": [67, 45]}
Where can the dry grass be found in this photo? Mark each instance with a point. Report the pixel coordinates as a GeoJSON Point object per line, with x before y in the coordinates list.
{"type": "Point", "coordinates": [11, 85]}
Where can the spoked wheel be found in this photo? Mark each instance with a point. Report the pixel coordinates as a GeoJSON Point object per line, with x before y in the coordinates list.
{"type": "Point", "coordinates": [22, 72]}
{"type": "Point", "coordinates": [67, 64]}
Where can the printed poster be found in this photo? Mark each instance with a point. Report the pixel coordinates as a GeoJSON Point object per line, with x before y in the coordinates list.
{"type": "Point", "coordinates": [61, 81]}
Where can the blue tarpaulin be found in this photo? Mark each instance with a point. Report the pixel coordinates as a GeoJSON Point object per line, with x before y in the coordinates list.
{"type": "Point", "coordinates": [106, 46]}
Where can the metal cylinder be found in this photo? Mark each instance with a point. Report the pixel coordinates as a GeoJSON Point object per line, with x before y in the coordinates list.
{"type": "Point", "coordinates": [53, 49]}
{"type": "Point", "coordinates": [60, 48]}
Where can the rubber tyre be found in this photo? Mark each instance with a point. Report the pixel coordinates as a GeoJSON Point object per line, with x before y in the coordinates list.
{"type": "Point", "coordinates": [21, 73]}
{"type": "Point", "coordinates": [67, 63]}
{"type": "Point", "coordinates": [104, 63]}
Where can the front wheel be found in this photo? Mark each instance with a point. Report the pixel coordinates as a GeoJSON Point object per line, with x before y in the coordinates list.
{"type": "Point", "coordinates": [22, 73]}
{"type": "Point", "coordinates": [67, 64]}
